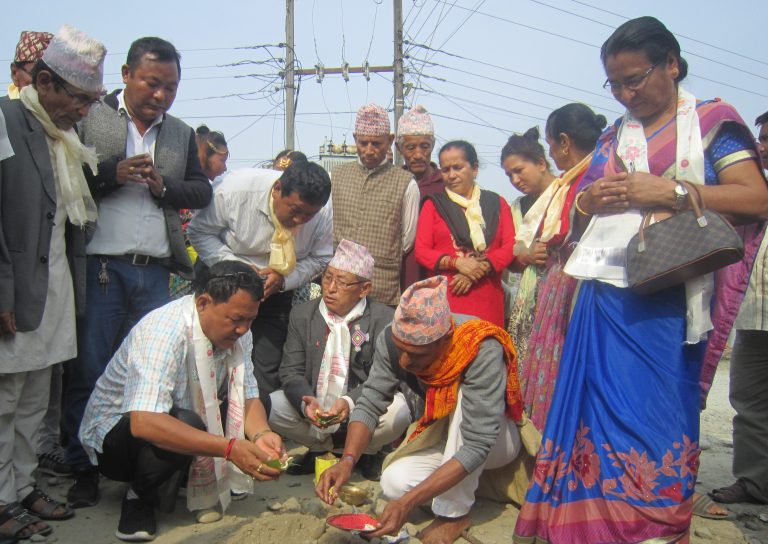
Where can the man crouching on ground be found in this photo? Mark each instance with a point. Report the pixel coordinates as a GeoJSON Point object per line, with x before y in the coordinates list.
{"type": "Point", "coordinates": [467, 369]}
{"type": "Point", "coordinates": [155, 413]}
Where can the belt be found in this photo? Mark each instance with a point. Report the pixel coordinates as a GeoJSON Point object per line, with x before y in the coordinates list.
{"type": "Point", "coordinates": [138, 260]}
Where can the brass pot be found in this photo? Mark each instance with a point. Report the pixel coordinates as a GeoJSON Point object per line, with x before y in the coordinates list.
{"type": "Point", "coordinates": [353, 495]}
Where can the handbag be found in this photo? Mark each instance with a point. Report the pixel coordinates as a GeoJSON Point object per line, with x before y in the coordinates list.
{"type": "Point", "coordinates": [688, 244]}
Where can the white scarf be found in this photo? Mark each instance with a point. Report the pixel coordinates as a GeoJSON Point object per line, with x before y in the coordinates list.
{"type": "Point", "coordinates": [212, 478]}
{"type": "Point", "coordinates": [334, 369]}
{"type": "Point", "coordinates": [70, 155]}
{"type": "Point", "coordinates": [546, 212]}
{"type": "Point", "coordinates": [474, 214]}
{"type": "Point", "coordinates": [601, 253]}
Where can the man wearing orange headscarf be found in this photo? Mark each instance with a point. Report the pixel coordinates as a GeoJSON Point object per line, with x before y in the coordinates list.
{"type": "Point", "coordinates": [465, 371]}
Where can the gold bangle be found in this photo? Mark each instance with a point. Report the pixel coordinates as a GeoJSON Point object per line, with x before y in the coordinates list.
{"type": "Point", "coordinates": [576, 203]}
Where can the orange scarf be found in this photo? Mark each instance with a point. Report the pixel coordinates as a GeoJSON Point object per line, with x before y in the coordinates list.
{"type": "Point", "coordinates": [444, 376]}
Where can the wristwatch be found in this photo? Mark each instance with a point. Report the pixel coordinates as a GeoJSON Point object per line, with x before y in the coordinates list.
{"type": "Point", "coordinates": [681, 195]}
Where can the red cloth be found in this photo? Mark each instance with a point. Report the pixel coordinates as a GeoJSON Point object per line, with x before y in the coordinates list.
{"type": "Point", "coordinates": [411, 271]}
{"type": "Point", "coordinates": [433, 241]}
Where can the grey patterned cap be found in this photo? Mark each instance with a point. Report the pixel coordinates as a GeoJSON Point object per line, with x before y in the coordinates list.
{"type": "Point", "coordinates": [77, 58]}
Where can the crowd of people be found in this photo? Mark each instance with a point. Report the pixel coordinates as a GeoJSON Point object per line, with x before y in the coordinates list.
{"type": "Point", "coordinates": [179, 321]}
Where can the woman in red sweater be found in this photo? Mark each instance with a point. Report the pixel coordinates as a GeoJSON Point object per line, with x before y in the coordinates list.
{"type": "Point", "coordinates": [466, 234]}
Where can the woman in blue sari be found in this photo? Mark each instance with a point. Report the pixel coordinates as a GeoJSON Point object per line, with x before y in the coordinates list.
{"type": "Point", "coordinates": [620, 449]}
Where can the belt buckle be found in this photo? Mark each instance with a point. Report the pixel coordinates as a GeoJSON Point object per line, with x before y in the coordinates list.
{"type": "Point", "coordinates": [140, 260]}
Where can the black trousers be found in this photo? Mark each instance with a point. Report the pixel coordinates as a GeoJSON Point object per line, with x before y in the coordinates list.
{"type": "Point", "coordinates": [146, 467]}
{"type": "Point", "coordinates": [270, 329]}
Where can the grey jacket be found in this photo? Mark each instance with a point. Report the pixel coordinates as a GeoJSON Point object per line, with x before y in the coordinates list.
{"type": "Point", "coordinates": [305, 344]}
{"type": "Point", "coordinates": [483, 386]}
{"type": "Point", "coordinates": [27, 209]}
{"type": "Point", "coordinates": [175, 159]}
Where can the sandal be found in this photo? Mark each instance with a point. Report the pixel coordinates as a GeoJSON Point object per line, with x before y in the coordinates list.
{"type": "Point", "coordinates": [734, 493]}
{"type": "Point", "coordinates": [702, 506]}
{"type": "Point", "coordinates": [21, 519]}
{"type": "Point", "coordinates": [49, 506]}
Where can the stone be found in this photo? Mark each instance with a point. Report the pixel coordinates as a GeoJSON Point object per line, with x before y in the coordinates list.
{"type": "Point", "coordinates": [291, 505]}
{"type": "Point", "coordinates": [275, 506]}
{"type": "Point", "coordinates": [314, 507]}
{"type": "Point", "coordinates": [703, 533]}
{"type": "Point", "coordinates": [752, 526]}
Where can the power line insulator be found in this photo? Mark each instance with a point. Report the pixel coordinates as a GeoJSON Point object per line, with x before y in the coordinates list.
{"type": "Point", "coordinates": [366, 71]}
{"type": "Point", "coordinates": [319, 72]}
{"type": "Point", "coordinates": [345, 71]}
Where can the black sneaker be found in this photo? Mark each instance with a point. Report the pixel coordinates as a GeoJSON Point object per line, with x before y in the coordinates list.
{"type": "Point", "coordinates": [370, 466]}
{"type": "Point", "coordinates": [52, 463]}
{"type": "Point", "coordinates": [137, 521]}
{"type": "Point", "coordinates": [85, 491]}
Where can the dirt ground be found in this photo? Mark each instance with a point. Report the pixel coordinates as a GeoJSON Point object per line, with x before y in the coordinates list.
{"type": "Point", "coordinates": [287, 512]}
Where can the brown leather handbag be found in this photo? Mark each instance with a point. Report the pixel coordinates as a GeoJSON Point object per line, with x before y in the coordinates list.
{"type": "Point", "coordinates": [688, 244]}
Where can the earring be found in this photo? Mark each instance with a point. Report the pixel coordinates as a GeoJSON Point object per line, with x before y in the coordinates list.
{"type": "Point", "coordinates": [565, 151]}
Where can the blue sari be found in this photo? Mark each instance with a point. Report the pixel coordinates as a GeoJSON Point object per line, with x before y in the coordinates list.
{"type": "Point", "coordinates": [620, 451]}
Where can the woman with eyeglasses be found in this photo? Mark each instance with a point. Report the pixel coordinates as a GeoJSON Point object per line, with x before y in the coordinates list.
{"type": "Point", "coordinates": [620, 450]}
{"type": "Point", "coordinates": [212, 151]}
{"type": "Point", "coordinates": [466, 234]}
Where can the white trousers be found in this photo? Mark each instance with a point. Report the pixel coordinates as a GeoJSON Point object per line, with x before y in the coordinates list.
{"type": "Point", "coordinates": [286, 421]}
{"type": "Point", "coordinates": [408, 472]}
{"type": "Point", "coordinates": [23, 402]}
{"type": "Point", "coordinates": [49, 437]}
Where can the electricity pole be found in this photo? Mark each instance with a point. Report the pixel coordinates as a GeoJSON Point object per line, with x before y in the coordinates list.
{"type": "Point", "coordinates": [398, 70]}
{"type": "Point", "coordinates": [290, 91]}
{"type": "Point", "coordinates": [321, 71]}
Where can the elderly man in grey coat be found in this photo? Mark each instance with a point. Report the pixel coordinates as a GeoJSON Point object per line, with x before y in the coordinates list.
{"type": "Point", "coordinates": [326, 358]}
{"type": "Point", "coordinates": [45, 204]}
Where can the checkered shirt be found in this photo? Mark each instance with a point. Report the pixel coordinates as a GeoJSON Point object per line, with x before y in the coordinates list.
{"type": "Point", "coordinates": [148, 373]}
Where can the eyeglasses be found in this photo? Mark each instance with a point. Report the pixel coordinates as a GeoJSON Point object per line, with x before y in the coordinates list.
{"type": "Point", "coordinates": [81, 101]}
{"type": "Point", "coordinates": [328, 279]}
{"type": "Point", "coordinates": [631, 84]}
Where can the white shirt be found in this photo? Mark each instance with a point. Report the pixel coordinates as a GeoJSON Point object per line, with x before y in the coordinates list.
{"type": "Point", "coordinates": [130, 221]}
{"type": "Point", "coordinates": [237, 225]}
{"type": "Point", "coordinates": [55, 339]}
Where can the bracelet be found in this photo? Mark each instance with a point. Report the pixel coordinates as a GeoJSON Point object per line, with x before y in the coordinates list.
{"type": "Point", "coordinates": [258, 435]}
{"type": "Point", "coordinates": [576, 203]}
{"type": "Point", "coordinates": [350, 457]}
{"type": "Point", "coordinates": [229, 448]}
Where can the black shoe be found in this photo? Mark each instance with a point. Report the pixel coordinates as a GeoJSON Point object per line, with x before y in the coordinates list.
{"type": "Point", "coordinates": [305, 466]}
{"type": "Point", "coordinates": [52, 463]}
{"type": "Point", "coordinates": [85, 491]}
{"type": "Point", "coordinates": [370, 466]}
{"type": "Point", "coordinates": [137, 521]}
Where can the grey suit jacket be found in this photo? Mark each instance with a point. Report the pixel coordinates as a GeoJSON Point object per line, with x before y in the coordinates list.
{"type": "Point", "coordinates": [27, 209]}
{"type": "Point", "coordinates": [305, 344]}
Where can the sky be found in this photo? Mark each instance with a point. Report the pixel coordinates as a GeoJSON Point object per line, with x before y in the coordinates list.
{"type": "Point", "coordinates": [483, 68]}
